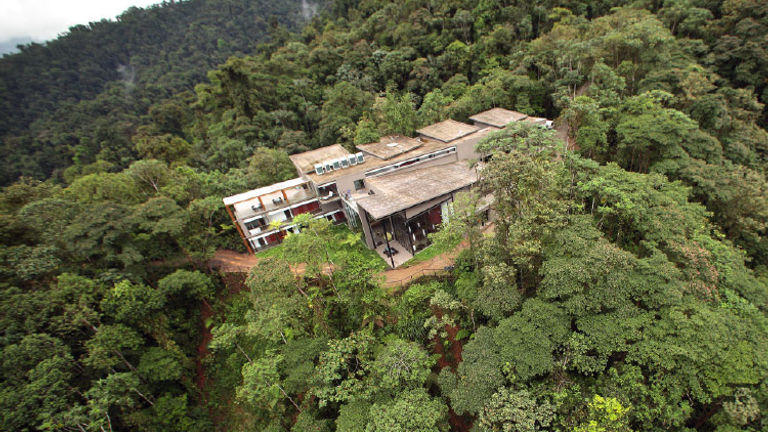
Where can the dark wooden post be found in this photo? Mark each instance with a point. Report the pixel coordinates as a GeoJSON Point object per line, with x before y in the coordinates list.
{"type": "Point", "coordinates": [386, 239]}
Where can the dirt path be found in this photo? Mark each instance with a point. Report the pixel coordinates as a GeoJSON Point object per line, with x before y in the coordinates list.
{"type": "Point", "coordinates": [228, 261]}
{"type": "Point", "coordinates": [405, 275]}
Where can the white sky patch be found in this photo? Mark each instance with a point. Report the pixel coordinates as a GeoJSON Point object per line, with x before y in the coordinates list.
{"type": "Point", "coordinates": [45, 19]}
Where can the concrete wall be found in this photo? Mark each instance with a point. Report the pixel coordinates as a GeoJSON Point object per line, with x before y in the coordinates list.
{"type": "Point", "coordinates": [449, 158]}
{"type": "Point", "coordinates": [366, 228]}
{"type": "Point", "coordinates": [466, 149]}
{"type": "Point", "coordinates": [347, 182]}
{"type": "Point", "coordinates": [481, 124]}
{"type": "Point", "coordinates": [413, 211]}
{"type": "Point", "coordinates": [331, 205]}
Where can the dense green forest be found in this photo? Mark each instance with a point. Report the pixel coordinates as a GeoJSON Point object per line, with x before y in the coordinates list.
{"type": "Point", "coordinates": [624, 285]}
{"type": "Point", "coordinates": [81, 97]}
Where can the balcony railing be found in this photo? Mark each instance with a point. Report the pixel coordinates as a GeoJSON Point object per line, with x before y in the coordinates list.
{"type": "Point", "coordinates": [268, 228]}
{"type": "Point", "coordinates": [271, 202]}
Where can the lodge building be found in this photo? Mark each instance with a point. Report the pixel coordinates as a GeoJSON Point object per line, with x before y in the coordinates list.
{"type": "Point", "coordinates": [396, 190]}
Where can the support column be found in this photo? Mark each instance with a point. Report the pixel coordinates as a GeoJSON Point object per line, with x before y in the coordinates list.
{"type": "Point", "coordinates": [365, 224]}
{"type": "Point", "coordinates": [409, 234]}
{"type": "Point", "coordinates": [239, 229]}
{"type": "Point", "coordinates": [386, 239]}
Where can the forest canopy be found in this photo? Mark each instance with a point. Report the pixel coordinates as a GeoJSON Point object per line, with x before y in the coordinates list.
{"type": "Point", "coordinates": [624, 285]}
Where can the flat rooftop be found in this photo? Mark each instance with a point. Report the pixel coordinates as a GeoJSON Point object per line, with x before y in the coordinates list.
{"type": "Point", "coordinates": [498, 117]}
{"type": "Point", "coordinates": [372, 162]}
{"type": "Point", "coordinates": [245, 196]}
{"type": "Point", "coordinates": [447, 130]}
{"type": "Point", "coordinates": [402, 190]}
{"type": "Point", "coordinates": [482, 133]}
{"type": "Point", "coordinates": [306, 161]}
{"type": "Point", "coordinates": [390, 146]}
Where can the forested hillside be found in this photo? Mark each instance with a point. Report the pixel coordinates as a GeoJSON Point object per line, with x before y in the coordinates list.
{"type": "Point", "coordinates": [82, 96]}
{"type": "Point", "coordinates": [624, 285]}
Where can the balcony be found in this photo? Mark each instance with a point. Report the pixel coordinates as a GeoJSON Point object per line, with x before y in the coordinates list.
{"type": "Point", "coordinates": [263, 224]}
{"type": "Point", "coordinates": [273, 201]}
{"type": "Point", "coordinates": [328, 193]}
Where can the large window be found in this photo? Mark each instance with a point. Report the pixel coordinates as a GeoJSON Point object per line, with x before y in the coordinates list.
{"type": "Point", "coordinates": [327, 191]}
{"type": "Point", "coordinates": [256, 223]}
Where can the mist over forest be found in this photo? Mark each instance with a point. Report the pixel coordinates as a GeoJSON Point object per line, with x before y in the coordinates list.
{"type": "Point", "coordinates": [623, 285]}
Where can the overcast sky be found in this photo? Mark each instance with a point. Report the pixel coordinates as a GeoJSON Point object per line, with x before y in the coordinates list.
{"type": "Point", "coordinates": [44, 19]}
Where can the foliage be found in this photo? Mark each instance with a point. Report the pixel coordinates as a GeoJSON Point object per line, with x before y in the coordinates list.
{"type": "Point", "coordinates": [260, 382]}
{"type": "Point", "coordinates": [515, 411]}
{"type": "Point", "coordinates": [100, 79]}
{"type": "Point", "coordinates": [528, 339]}
{"type": "Point", "coordinates": [412, 410]}
{"type": "Point", "coordinates": [344, 245]}
{"type": "Point", "coordinates": [605, 414]}
{"type": "Point", "coordinates": [623, 287]}
{"type": "Point", "coordinates": [343, 369]}
{"type": "Point", "coordinates": [478, 376]}
{"type": "Point", "coordinates": [401, 365]}
{"type": "Point", "coordinates": [353, 417]}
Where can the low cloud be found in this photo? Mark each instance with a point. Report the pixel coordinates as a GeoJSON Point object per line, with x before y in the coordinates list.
{"type": "Point", "coordinates": [45, 19]}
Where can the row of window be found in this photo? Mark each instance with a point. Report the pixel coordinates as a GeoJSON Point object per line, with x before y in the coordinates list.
{"type": "Point", "coordinates": [337, 164]}
{"type": "Point", "coordinates": [277, 236]}
{"type": "Point", "coordinates": [261, 221]}
{"type": "Point", "coordinates": [407, 162]}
